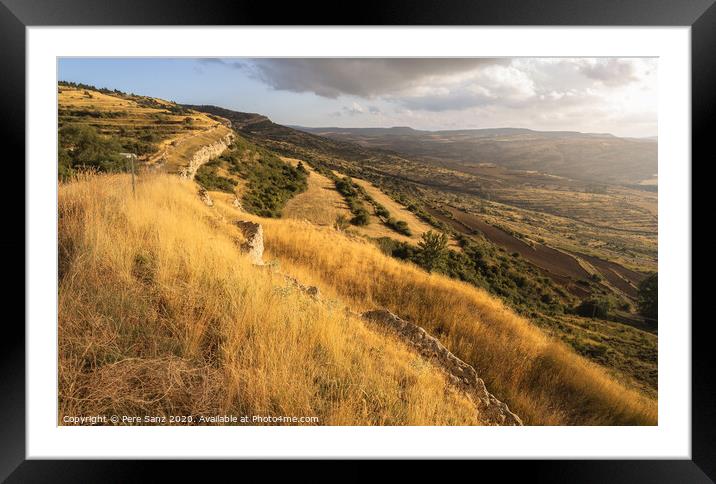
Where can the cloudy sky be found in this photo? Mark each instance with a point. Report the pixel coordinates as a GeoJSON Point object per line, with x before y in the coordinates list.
{"type": "Point", "coordinates": [614, 95]}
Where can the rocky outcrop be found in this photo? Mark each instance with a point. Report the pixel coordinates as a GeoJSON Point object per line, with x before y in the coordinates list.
{"type": "Point", "coordinates": [312, 291]}
{"type": "Point", "coordinates": [254, 241]}
{"type": "Point", "coordinates": [204, 197]}
{"type": "Point", "coordinates": [460, 374]}
{"type": "Point", "coordinates": [205, 154]}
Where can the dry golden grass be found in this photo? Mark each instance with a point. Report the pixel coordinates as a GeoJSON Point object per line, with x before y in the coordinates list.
{"type": "Point", "coordinates": [182, 149]}
{"type": "Point", "coordinates": [321, 203]}
{"type": "Point", "coordinates": [417, 226]}
{"type": "Point", "coordinates": [541, 379]}
{"type": "Point", "coordinates": [160, 315]}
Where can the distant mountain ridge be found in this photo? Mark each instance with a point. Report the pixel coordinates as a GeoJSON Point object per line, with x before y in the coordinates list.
{"type": "Point", "coordinates": [406, 130]}
{"type": "Point", "coordinates": [589, 157]}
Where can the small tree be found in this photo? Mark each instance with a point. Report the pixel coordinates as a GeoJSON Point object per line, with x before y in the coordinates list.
{"type": "Point", "coordinates": [599, 308]}
{"type": "Point", "coordinates": [433, 250]}
{"type": "Point", "coordinates": [648, 297]}
{"type": "Point", "coordinates": [361, 217]}
{"type": "Point", "coordinates": [341, 223]}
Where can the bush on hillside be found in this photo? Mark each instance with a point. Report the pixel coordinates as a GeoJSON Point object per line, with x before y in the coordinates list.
{"type": "Point", "coordinates": [341, 222]}
{"type": "Point", "coordinates": [648, 297]}
{"type": "Point", "coordinates": [82, 147]}
{"type": "Point", "coordinates": [361, 217]}
{"type": "Point", "coordinates": [597, 308]}
{"type": "Point", "coordinates": [207, 178]}
{"type": "Point", "coordinates": [400, 226]}
{"type": "Point", "coordinates": [381, 211]}
{"type": "Point", "coordinates": [433, 250]}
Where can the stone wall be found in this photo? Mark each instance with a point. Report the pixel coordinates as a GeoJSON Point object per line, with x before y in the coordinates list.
{"type": "Point", "coordinates": [460, 374]}
{"type": "Point", "coordinates": [254, 244]}
{"type": "Point", "coordinates": [205, 154]}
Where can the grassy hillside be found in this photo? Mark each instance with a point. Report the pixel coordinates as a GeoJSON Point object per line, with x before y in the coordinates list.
{"type": "Point", "coordinates": [154, 290]}
{"type": "Point", "coordinates": [97, 124]}
{"type": "Point", "coordinates": [263, 181]}
{"type": "Point", "coordinates": [323, 204]}
{"type": "Point", "coordinates": [542, 379]}
{"type": "Point", "coordinates": [555, 249]}
{"type": "Point", "coordinates": [159, 314]}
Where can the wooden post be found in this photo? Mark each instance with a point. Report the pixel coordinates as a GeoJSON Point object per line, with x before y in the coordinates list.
{"type": "Point", "coordinates": [134, 192]}
{"type": "Point", "coordinates": [131, 157]}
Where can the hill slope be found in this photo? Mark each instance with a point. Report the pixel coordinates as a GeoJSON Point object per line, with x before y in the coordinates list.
{"type": "Point", "coordinates": [162, 134]}
{"type": "Point", "coordinates": [160, 314]}
{"type": "Point", "coordinates": [542, 380]}
{"type": "Point", "coordinates": [155, 289]}
{"type": "Point", "coordinates": [552, 248]}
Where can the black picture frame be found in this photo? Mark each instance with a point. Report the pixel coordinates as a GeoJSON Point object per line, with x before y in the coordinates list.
{"type": "Point", "coordinates": [16, 15]}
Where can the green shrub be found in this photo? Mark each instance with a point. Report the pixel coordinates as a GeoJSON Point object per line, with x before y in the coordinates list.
{"type": "Point", "coordinates": [64, 165]}
{"type": "Point", "coordinates": [346, 187]}
{"type": "Point", "coordinates": [433, 250]}
{"type": "Point", "coordinates": [399, 226]}
{"type": "Point", "coordinates": [361, 217]}
{"type": "Point", "coordinates": [599, 308]}
{"type": "Point", "coordinates": [82, 146]}
{"type": "Point", "coordinates": [207, 178]}
{"type": "Point", "coordinates": [341, 222]}
{"type": "Point", "coordinates": [648, 297]}
{"type": "Point", "coordinates": [381, 211]}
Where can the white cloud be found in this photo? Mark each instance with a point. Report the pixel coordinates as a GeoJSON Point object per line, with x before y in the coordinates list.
{"type": "Point", "coordinates": [587, 94]}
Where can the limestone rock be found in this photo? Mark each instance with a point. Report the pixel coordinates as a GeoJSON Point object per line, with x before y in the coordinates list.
{"type": "Point", "coordinates": [206, 154]}
{"type": "Point", "coordinates": [254, 244]}
{"type": "Point", "coordinates": [204, 196]}
{"type": "Point", "coordinates": [459, 373]}
{"type": "Point", "coordinates": [312, 291]}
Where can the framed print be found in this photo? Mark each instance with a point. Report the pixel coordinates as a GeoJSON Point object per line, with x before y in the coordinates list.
{"type": "Point", "coordinates": [427, 235]}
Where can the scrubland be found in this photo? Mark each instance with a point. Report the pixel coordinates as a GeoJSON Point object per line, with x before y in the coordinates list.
{"type": "Point", "coordinates": [160, 315]}
{"type": "Point", "coordinates": [541, 379]}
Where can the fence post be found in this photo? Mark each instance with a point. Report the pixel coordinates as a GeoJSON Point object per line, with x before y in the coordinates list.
{"type": "Point", "coordinates": [134, 191]}
{"type": "Point", "coordinates": [131, 157]}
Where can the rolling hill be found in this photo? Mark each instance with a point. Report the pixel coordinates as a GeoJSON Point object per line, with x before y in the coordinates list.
{"type": "Point", "coordinates": [162, 134]}
{"type": "Point", "coordinates": [595, 158]}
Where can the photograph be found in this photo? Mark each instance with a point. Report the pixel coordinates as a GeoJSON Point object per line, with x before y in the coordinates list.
{"type": "Point", "coordinates": [416, 232]}
{"type": "Point", "coordinates": [357, 241]}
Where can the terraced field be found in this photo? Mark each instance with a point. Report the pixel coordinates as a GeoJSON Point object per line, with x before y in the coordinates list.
{"type": "Point", "coordinates": [321, 204]}
{"type": "Point", "coordinates": [621, 209]}
{"type": "Point", "coordinates": [567, 269]}
{"type": "Point", "coordinates": [634, 250]}
{"type": "Point", "coordinates": [162, 134]}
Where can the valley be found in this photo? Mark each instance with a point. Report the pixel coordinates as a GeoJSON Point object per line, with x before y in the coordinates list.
{"type": "Point", "coordinates": [591, 157]}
